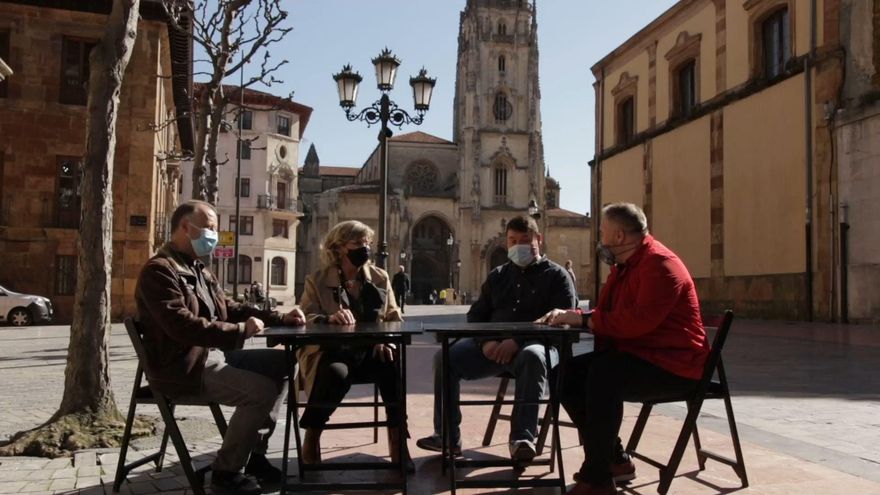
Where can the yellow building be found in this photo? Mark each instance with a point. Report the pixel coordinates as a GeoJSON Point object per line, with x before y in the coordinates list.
{"type": "Point", "coordinates": [712, 118]}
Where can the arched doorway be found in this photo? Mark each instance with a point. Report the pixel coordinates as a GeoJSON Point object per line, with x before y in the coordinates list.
{"type": "Point", "coordinates": [432, 257]}
{"type": "Point", "coordinates": [498, 257]}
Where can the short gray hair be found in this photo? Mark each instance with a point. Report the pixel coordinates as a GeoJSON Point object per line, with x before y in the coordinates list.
{"type": "Point", "coordinates": [628, 216]}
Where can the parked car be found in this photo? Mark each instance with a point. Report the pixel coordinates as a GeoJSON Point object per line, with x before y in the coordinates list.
{"type": "Point", "coordinates": [24, 309]}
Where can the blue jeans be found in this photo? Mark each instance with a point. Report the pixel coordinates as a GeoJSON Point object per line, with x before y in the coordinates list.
{"type": "Point", "coordinates": [466, 361]}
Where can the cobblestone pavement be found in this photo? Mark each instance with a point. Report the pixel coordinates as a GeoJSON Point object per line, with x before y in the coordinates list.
{"type": "Point", "coordinates": [808, 412]}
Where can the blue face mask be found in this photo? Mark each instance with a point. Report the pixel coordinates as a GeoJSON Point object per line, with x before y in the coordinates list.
{"type": "Point", "coordinates": [521, 255]}
{"type": "Point", "coordinates": [205, 243]}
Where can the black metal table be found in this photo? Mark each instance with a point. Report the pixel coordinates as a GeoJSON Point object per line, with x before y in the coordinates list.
{"type": "Point", "coordinates": [292, 338]}
{"type": "Point", "coordinates": [448, 332]}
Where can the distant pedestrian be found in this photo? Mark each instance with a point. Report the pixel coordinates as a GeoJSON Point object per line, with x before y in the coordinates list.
{"type": "Point", "coordinates": [400, 284]}
{"type": "Point", "coordinates": [570, 271]}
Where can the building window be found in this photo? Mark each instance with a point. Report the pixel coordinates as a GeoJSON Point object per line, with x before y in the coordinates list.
{"type": "Point", "coordinates": [65, 275]}
{"type": "Point", "coordinates": [626, 120]}
{"type": "Point", "coordinates": [776, 43]}
{"type": "Point", "coordinates": [4, 54]}
{"type": "Point", "coordinates": [279, 228]}
{"type": "Point", "coordinates": [500, 185]}
{"type": "Point", "coordinates": [247, 120]}
{"type": "Point", "coordinates": [279, 271]}
{"type": "Point", "coordinates": [281, 195]}
{"type": "Point", "coordinates": [243, 151]}
{"type": "Point", "coordinates": [247, 224]}
{"type": "Point", "coordinates": [67, 207]}
{"type": "Point", "coordinates": [502, 28]}
{"type": "Point", "coordinates": [244, 270]}
{"type": "Point", "coordinates": [502, 108]}
{"type": "Point", "coordinates": [75, 71]}
{"type": "Point", "coordinates": [180, 185]}
{"type": "Point", "coordinates": [502, 63]}
{"type": "Point", "coordinates": [685, 96]}
{"type": "Point", "coordinates": [283, 125]}
{"type": "Point", "coordinates": [245, 189]}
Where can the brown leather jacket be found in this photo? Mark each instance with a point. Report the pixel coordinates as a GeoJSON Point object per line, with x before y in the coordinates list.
{"type": "Point", "coordinates": [176, 338]}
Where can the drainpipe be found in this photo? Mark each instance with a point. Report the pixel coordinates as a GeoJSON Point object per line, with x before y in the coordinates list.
{"type": "Point", "coordinates": [808, 133]}
{"type": "Point", "coordinates": [844, 262]}
{"type": "Point", "coordinates": [597, 201]}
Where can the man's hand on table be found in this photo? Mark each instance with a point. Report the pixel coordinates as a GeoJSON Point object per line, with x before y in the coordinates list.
{"type": "Point", "coordinates": [252, 327]}
{"type": "Point", "coordinates": [295, 318]}
{"type": "Point", "coordinates": [500, 352]}
{"type": "Point", "coordinates": [561, 317]}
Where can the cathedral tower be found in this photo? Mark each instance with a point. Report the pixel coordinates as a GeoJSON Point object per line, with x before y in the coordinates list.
{"type": "Point", "coordinates": [497, 123]}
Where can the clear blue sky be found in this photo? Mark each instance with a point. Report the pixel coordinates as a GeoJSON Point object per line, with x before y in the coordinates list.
{"type": "Point", "coordinates": [572, 35]}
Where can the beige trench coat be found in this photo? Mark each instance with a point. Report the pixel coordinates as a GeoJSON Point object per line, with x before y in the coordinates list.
{"type": "Point", "coordinates": [318, 301]}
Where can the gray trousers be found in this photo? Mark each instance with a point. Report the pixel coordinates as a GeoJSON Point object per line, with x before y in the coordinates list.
{"type": "Point", "coordinates": [254, 381]}
{"type": "Point", "coordinates": [466, 361]}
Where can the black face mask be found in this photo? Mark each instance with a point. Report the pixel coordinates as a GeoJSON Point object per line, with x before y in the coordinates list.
{"type": "Point", "coordinates": [359, 256]}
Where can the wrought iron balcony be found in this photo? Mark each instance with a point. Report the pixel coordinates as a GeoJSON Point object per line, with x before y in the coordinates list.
{"type": "Point", "coordinates": [272, 202]}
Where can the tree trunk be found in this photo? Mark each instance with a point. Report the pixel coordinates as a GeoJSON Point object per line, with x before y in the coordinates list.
{"type": "Point", "coordinates": [199, 187]}
{"type": "Point", "coordinates": [213, 164]}
{"type": "Point", "coordinates": [87, 376]}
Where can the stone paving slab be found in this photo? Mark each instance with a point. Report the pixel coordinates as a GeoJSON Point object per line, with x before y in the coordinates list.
{"type": "Point", "coordinates": [808, 413]}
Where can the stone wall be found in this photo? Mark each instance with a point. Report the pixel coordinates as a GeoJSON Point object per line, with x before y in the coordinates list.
{"type": "Point", "coordinates": [35, 129]}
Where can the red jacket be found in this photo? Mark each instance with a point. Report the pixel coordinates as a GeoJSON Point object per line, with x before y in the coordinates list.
{"type": "Point", "coordinates": [649, 308]}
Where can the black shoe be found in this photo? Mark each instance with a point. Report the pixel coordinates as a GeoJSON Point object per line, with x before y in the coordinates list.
{"type": "Point", "coordinates": [260, 468]}
{"type": "Point", "coordinates": [435, 444]}
{"type": "Point", "coordinates": [233, 483]}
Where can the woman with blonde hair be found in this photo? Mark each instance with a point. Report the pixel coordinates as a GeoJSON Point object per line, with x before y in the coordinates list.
{"type": "Point", "coordinates": [348, 289]}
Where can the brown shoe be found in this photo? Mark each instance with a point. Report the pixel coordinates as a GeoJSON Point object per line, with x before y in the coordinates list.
{"type": "Point", "coordinates": [583, 488]}
{"type": "Point", "coordinates": [394, 449]}
{"type": "Point", "coordinates": [311, 447]}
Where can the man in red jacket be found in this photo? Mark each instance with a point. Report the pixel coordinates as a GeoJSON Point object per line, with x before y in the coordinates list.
{"type": "Point", "coordinates": [650, 343]}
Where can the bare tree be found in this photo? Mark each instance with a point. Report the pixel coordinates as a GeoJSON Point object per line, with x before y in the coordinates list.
{"type": "Point", "coordinates": [231, 33]}
{"type": "Point", "coordinates": [88, 416]}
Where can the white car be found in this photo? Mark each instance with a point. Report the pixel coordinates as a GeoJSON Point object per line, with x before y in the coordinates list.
{"type": "Point", "coordinates": [24, 309]}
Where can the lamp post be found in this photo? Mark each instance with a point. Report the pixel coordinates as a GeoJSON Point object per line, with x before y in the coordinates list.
{"type": "Point", "coordinates": [384, 111]}
{"type": "Point", "coordinates": [450, 242]}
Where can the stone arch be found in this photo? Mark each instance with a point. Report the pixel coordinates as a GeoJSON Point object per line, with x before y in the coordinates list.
{"type": "Point", "coordinates": [431, 256]}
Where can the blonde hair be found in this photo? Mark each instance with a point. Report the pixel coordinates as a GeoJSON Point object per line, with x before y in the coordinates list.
{"type": "Point", "coordinates": [341, 234]}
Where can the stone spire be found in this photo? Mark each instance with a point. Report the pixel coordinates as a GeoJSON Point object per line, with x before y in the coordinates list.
{"type": "Point", "coordinates": [312, 165]}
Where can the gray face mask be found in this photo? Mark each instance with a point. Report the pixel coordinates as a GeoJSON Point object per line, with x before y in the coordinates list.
{"type": "Point", "coordinates": [604, 253]}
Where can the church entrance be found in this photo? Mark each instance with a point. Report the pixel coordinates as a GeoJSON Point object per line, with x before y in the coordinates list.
{"type": "Point", "coordinates": [432, 258]}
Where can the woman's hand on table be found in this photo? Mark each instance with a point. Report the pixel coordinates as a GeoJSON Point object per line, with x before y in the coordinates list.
{"type": "Point", "coordinates": [342, 317]}
{"type": "Point", "coordinates": [252, 326]}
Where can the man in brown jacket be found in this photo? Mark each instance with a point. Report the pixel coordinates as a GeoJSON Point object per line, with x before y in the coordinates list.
{"type": "Point", "coordinates": [193, 336]}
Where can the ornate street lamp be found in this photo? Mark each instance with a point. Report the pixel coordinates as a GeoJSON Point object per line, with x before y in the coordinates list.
{"type": "Point", "coordinates": [534, 212]}
{"type": "Point", "coordinates": [384, 111]}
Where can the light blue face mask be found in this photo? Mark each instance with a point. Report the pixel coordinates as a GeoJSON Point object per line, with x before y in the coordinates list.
{"type": "Point", "coordinates": [521, 255]}
{"type": "Point", "coordinates": [206, 242]}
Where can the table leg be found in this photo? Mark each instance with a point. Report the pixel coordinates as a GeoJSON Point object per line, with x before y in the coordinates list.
{"type": "Point", "coordinates": [293, 405]}
{"type": "Point", "coordinates": [291, 391]}
{"type": "Point", "coordinates": [402, 426]}
{"type": "Point", "coordinates": [555, 394]}
{"type": "Point", "coordinates": [449, 443]}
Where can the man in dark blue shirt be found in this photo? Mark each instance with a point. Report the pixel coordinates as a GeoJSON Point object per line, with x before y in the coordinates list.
{"type": "Point", "coordinates": [522, 290]}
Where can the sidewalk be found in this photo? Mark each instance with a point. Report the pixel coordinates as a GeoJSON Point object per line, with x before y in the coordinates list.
{"type": "Point", "coordinates": [807, 412]}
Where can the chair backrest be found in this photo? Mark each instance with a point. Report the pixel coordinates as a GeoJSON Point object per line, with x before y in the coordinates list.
{"type": "Point", "coordinates": [717, 345]}
{"type": "Point", "coordinates": [134, 333]}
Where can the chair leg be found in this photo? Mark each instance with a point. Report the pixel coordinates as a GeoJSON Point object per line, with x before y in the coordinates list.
{"type": "Point", "coordinates": [690, 422]}
{"type": "Point", "coordinates": [698, 446]}
{"type": "Point", "coordinates": [639, 428]}
{"type": "Point", "coordinates": [121, 472]}
{"type": "Point", "coordinates": [740, 467]}
{"type": "Point", "coordinates": [219, 419]}
{"type": "Point", "coordinates": [160, 459]}
{"type": "Point", "coordinates": [542, 433]}
{"type": "Point", "coordinates": [496, 411]}
{"type": "Point", "coordinates": [375, 413]}
{"type": "Point", "coordinates": [180, 446]}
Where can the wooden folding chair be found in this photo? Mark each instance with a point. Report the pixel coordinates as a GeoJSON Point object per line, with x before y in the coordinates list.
{"type": "Point", "coordinates": [708, 388]}
{"type": "Point", "coordinates": [148, 395]}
